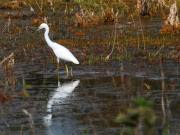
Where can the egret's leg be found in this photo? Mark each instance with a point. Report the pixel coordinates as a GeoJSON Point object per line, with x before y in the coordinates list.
{"type": "Point", "coordinates": [58, 64]}
{"type": "Point", "coordinates": [67, 71]}
{"type": "Point", "coordinates": [58, 69]}
{"type": "Point", "coordinates": [71, 72]}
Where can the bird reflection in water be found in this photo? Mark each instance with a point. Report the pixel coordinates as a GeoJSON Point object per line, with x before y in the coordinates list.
{"type": "Point", "coordinates": [59, 95]}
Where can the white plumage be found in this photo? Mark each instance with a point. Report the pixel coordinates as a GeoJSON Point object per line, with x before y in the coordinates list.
{"type": "Point", "coordinates": [60, 51]}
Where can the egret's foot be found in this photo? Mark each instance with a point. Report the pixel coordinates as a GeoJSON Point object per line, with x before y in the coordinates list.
{"type": "Point", "coordinates": [56, 70]}
{"type": "Point", "coordinates": [49, 71]}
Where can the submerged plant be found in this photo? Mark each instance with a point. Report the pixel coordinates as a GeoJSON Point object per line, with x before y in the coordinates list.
{"type": "Point", "coordinates": [138, 120]}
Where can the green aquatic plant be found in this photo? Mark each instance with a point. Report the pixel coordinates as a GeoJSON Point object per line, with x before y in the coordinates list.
{"type": "Point", "coordinates": [139, 119]}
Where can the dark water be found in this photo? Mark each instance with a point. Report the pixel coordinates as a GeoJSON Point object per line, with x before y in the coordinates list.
{"type": "Point", "coordinates": [90, 101]}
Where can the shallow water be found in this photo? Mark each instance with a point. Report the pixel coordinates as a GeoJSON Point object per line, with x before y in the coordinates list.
{"type": "Point", "coordinates": [90, 101]}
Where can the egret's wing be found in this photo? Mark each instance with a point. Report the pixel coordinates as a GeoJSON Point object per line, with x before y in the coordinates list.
{"type": "Point", "coordinates": [63, 53]}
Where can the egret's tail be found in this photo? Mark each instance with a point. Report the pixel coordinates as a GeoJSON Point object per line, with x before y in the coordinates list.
{"type": "Point", "coordinates": [75, 61]}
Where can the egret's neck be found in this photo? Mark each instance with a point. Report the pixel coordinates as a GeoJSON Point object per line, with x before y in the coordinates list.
{"type": "Point", "coordinates": [48, 40]}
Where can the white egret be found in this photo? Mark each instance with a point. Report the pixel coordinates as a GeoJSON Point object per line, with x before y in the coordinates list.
{"type": "Point", "coordinates": [60, 51]}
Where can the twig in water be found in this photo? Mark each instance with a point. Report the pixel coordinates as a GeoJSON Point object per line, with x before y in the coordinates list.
{"type": "Point", "coordinates": [8, 57]}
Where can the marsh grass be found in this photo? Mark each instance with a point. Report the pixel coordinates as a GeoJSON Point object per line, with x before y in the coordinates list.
{"type": "Point", "coordinates": [100, 7]}
{"type": "Point", "coordinates": [127, 43]}
{"type": "Point", "coordinates": [7, 64]}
